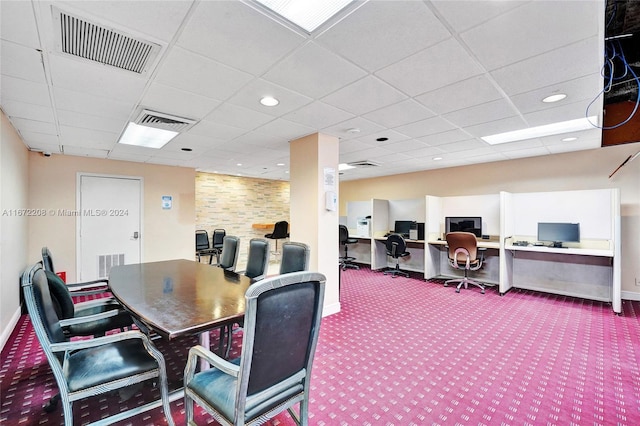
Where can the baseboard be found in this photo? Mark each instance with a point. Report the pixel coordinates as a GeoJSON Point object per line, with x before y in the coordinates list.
{"type": "Point", "coordinates": [330, 309]}
{"type": "Point", "coordinates": [6, 333]}
{"type": "Point", "coordinates": [628, 295]}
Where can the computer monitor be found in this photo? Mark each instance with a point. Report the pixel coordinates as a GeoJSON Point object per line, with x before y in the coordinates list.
{"type": "Point", "coordinates": [463, 224]}
{"type": "Point", "coordinates": [402, 227]}
{"type": "Point", "coordinates": [558, 233]}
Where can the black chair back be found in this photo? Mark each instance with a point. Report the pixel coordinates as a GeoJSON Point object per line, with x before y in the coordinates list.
{"type": "Point", "coordinates": [202, 240]}
{"type": "Point", "coordinates": [229, 256]}
{"type": "Point", "coordinates": [396, 246]}
{"type": "Point", "coordinates": [258, 259]}
{"type": "Point", "coordinates": [295, 257]}
{"type": "Point", "coordinates": [218, 238]}
{"type": "Point", "coordinates": [280, 230]}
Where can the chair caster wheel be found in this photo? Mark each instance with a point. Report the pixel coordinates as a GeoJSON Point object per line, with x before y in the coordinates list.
{"type": "Point", "coordinates": [482, 292]}
{"type": "Point", "coordinates": [457, 290]}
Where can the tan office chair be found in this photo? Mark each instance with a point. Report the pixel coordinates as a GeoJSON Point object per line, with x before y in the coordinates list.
{"type": "Point", "coordinates": [464, 254]}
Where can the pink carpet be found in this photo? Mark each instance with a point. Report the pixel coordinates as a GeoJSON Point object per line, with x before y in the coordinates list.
{"type": "Point", "coordinates": [408, 352]}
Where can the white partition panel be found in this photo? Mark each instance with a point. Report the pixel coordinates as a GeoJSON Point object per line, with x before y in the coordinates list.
{"type": "Point", "coordinates": [507, 227]}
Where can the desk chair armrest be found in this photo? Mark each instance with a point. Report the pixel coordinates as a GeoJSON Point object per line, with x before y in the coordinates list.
{"type": "Point", "coordinates": [89, 318]}
{"type": "Point", "coordinates": [99, 341]}
{"type": "Point", "coordinates": [218, 362]}
{"type": "Point", "coordinates": [95, 302]}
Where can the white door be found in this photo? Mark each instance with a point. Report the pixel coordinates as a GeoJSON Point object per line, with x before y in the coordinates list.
{"type": "Point", "coordinates": [109, 224]}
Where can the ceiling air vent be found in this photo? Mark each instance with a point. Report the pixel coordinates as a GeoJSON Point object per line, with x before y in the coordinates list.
{"type": "Point", "coordinates": [163, 121]}
{"type": "Point", "coordinates": [364, 163]}
{"type": "Point", "coordinates": [94, 42]}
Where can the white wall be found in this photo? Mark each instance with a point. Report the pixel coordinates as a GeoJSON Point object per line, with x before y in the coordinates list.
{"type": "Point", "coordinates": [14, 179]}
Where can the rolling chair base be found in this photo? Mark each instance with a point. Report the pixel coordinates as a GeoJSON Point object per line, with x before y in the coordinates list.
{"type": "Point", "coordinates": [395, 272]}
{"type": "Point", "coordinates": [345, 262]}
{"type": "Point", "coordinates": [464, 282]}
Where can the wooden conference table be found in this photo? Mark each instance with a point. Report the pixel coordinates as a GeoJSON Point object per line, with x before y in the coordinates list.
{"type": "Point", "coordinates": [180, 297]}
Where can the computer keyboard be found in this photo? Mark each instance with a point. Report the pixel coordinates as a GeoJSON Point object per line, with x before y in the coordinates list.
{"type": "Point", "coordinates": [520, 243]}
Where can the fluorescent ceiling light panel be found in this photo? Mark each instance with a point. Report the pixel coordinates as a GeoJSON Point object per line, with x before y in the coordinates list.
{"type": "Point", "coordinates": [307, 14]}
{"type": "Point", "coordinates": [541, 131]}
{"type": "Point", "coordinates": [148, 137]}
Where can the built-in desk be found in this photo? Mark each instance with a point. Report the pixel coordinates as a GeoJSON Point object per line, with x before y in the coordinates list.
{"type": "Point", "coordinates": [437, 260]}
{"type": "Point", "coordinates": [414, 262]}
{"type": "Point", "coordinates": [585, 272]}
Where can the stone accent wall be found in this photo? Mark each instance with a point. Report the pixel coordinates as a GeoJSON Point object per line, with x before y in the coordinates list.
{"type": "Point", "coordinates": [235, 203]}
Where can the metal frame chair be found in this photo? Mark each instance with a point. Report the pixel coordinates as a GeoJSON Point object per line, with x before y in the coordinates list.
{"type": "Point", "coordinates": [281, 328]}
{"type": "Point", "coordinates": [85, 368]}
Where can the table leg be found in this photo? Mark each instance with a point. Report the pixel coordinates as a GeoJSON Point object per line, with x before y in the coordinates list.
{"type": "Point", "coordinates": [204, 340]}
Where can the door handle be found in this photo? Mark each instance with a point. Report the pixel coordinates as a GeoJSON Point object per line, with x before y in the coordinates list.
{"type": "Point", "coordinates": [136, 235]}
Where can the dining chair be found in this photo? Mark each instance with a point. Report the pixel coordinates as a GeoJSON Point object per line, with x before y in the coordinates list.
{"type": "Point", "coordinates": [257, 259]}
{"type": "Point", "coordinates": [295, 257]}
{"type": "Point", "coordinates": [88, 367]}
{"type": "Point", "coordinates": [97, 286]}
{"type": "Point", "coordinates": [463, 253]}
{"type": "Point", "coordinates": [273, 373]}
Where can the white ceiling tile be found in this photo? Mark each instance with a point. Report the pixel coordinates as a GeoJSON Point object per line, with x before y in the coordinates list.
{"type": "Point", "coordinates": [563, 112]}
{"type": "Point", "coordinates": [409, 27]}
{"type": "Point", "coordinates": [26, 91]}
{"type": "Point", "coordinates": [462, 15]}
{"type": "Point", "coordinates": [195, 73]}
{"type": "Point", "coordinates": [36, 139]}
{"type": "Point", "coordinates": [26, 125]}
{"type": "Point", "coordinates": [79, 151]}
{"type": "Point", "coordinates": [506, 39]}
{"type": "Point", "coordinates": [318, 115]}
{"type": "Point", "coordinates": [237, 116]}
{"type": "Point", "coordinates": [364, 96]}
{"type": "Point", "coordinates": [391, 135]}
{"type": "Point", "coordinates": [432, 68]}
{"type": "Point", "coordinates": [314, 71]}
{"type": "Point", "coordinates": [285, 129]}
{"type": "Point", "coordinates": [445, 137]}
{"type": "Point", "coordinates": [463, 94]}
{"type": "Point", "coordinates": [21, 62]}
{"type": "Point", "coordinates": [76, 136]}
{"type": "Point", "coordinates": [249, 97]}
{"type": "Point", "coordinates": [170, 100]}
{"type": "Point", "coordinates": [86, 103]}
{"type": "Point", "coordinates": [490, 111]}
{"type": "Point", "coordinates": [17, 109]}
{"type": "Point", "coordinates": [498, 126]}
{"type": "Point", "coordinates": [467, 145]}
{"type": "Point", "coordinates": [428, 151]}
{"type": "Point", "coordinates": [568, 63]}
{"type": "Point", "coordinates": [364, 126]}
{"type": "Point", "coordinates": [353, 145]}
{"type": "Point", "coordinates": [524, 153]}
{"type": "Point", "coordinates": [404, 146]}
{"type": "Point", "coordinates": [213, 130]}
{"type": "Point", "coordinates": [90, 122]}
{"type": "Point", "coordinates": [17, 24]}
{"type": "Point", "coordinates": [405, 112]}
{"type": "Point", "coordinates": [426, 127]}
{"type": "Point", "coordinates": [219, 30]}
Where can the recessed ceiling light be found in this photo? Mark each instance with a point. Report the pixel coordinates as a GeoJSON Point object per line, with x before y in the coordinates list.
{"type": "Point", "coordinates": [269, 101]}
{"type": "Point", "coordinates": [306, 14]}
{"type": "Point", "coordinates": [353, 130]}
{"type": "Point", "coordinates": [437, 158]}
{"type": "Point", "coordinates": [239, 164]}
{"type": "Point", "coordinates": [345, 166]}
{"type": "Point", "coordinates": [554, 98]}
{"type": "Point", "coordinates": [569, 139]}
{"type": "Point", "coordinates": [541, 131]}
{"type": "Point", "coordinates": [280, 164]}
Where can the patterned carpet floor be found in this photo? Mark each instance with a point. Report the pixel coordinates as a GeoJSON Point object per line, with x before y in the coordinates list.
{"type": "Point", "coordinates": [403, 351]}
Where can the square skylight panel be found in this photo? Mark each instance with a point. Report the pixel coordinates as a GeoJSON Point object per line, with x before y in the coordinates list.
{"type": "Point", "coordinates": [307, 14]}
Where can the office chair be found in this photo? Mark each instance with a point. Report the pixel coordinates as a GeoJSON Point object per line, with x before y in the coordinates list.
{"type": "Point", "coordinates": [346, 260]}
{"type": "Point", "coordinates": [280, 231]}
{"type": "Point", "coordinates": [229, 255]}
{"type": "Point", "coordinates": [295, 257]}
{"type": "Point", "coordinates": [281, 328]}
{"type": "Point", "coordinates": [88, 367]}
{"type": "Point", "coordinates": [463, 254]}
{"type": "Point", "coordinates": [257, 259]}
{"type": "Point", "coordinates": [396, 248]}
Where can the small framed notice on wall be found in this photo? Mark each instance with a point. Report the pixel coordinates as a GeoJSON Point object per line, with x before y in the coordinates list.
{"type": "Point", "coordinates": [167, 202]}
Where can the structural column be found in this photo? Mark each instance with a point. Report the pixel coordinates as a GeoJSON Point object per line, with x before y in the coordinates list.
{"type": "Point", "coordinates": [313, 211]}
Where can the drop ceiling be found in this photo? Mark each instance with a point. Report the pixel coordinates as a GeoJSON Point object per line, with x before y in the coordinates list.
{"type": "Point", "coordinates": [400, 83]}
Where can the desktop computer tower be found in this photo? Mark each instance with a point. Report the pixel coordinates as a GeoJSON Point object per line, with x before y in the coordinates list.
{"type": "Point", "coordinates": [417, 231]}
{"type": "Point", "coordinates": [420, 228]}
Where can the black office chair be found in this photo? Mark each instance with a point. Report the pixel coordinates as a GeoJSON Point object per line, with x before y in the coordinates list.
{"type": "Point", "coordinates": [280, 231]}
{"type": "Point", "coordinates": [396, 248]}
{"type": "Point", "coordinates": [203, 248]}
{"type": "Point", "coordinates": [295, 257]}
{"type": "Point", "coordinates": [346, 261]}
{"type": "Point", "coordinates": [88, 367]}
{"type": "Point", "coordinates": [463, 254]}
{"type": "Point", "coordinates": [282, 323]}
{"type": "Point", "coordinates": [229, 255]}
{"type": "Point", "coordinates": [257, 259]}
{"type": "Point", "coordinates": [98, 286]}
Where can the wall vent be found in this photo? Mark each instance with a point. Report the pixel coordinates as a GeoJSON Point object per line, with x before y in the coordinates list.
{"type": "Point", "coordinates": [163, 121]}
{"type": "Point", "coordinates": [364, 163]}
{"type": "Point", "coordinates": [87, 40]}
{"type": "Point", "coordinates": [106, 261]}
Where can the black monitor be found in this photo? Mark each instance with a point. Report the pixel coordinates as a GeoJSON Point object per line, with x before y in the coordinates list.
{"type": "Point", "coordinates": [558, 233]}
{"type": "Point", "coordinates": [463, 224]}
{"type": "Point", "coordinates": [402, 227]}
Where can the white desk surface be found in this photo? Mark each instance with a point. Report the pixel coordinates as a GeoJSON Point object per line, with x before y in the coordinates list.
{"type": "Point", "coordinates": [481, 243]}
{"type": "Point", "coordinates": [559, 250]}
